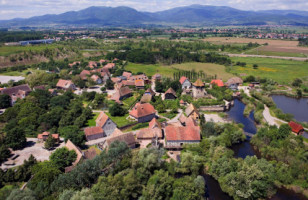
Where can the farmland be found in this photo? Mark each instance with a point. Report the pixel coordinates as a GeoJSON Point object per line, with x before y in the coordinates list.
{"type": "Point", "coordinates": [208, 68]}
{"type": "Point", "coordinates": [282, 71]}
{"type": "Point", "coordinates": [273, 47]}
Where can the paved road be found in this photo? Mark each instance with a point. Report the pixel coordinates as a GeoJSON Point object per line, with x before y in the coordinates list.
{"type": "Point", "coordinates": [6, 79]}
{"type": "Point", "coordinates": [176, 118]}
{"type": "Point", "coordinates": [263, 56]}
{"type": "Point", "coordinates": [270, 119]}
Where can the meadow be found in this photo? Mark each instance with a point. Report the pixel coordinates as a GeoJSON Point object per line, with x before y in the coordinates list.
{"type": "Point", "coordinates": [168, 70]}
{"type": "Point", "coordinates": [282, 71]}
{"type": "Point", "coordinates": [9, 50]}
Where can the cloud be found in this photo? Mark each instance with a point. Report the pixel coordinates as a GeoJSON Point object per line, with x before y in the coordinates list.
{"type": "Point", "coordinates": [27, 8]}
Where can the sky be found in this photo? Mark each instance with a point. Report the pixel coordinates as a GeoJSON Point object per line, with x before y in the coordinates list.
{"type": "Point", "coordinates": [10, 9]}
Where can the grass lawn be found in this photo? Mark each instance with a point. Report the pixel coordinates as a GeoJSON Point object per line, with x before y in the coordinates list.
{"type": "Point", "coordinates": [121, 120]}
{"type": "Point", "coordinates": [128, 102]}
{"type": "Point", "coordinates": [8, 50]}
{"type": "Point", "coordinates": [91, 122]}
{"type": "Point", "coordinates": [208, 68]}
{"type": "Point", "coordinates": [282, 71]}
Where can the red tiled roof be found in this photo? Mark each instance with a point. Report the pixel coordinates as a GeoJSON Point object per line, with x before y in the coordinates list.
{"type": "Point", "coordinates": [296, 127]}
{"type": "Point", "coordinates": [109, 66]}
{"type": "Point", "coordinates": [93, 130]}
{"type": "Point", "coordinates": [181, 133]}
{"type": "Point", "coordinates": [181, 101]}
{"type": "Point", "coordinates": [64, 83]}
{"type": "Point", "coordinates": [95, 77]}
{"type": "Point", "coordinates": [139, 83]}
{"type": "Point", "coordinates": [141, 110]}
{"type": "Point", "coordinates": [127, 74]}
{"type": "Point", "coordinates": [182, 79]}
{"type": "Point", "coordinates": [149, 133]}
{"type": "Point", "coordinates": [198, 83]}
{"type": "Point", "coordinates": [217, 82]}
{"type": "Point", "coordinates": [101, 119]}
{"type": "Point", "coordinates": [170, 91]}
{"type": "Point", "coordinates": [154, 123]}
{"type": "Point", "coordinates": [128, 83]}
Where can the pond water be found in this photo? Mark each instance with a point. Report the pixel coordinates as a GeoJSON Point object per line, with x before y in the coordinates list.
{"type": "Point", "coordinates": [242, 150]}
{"type": "Point", "coordinates": [296, 107]}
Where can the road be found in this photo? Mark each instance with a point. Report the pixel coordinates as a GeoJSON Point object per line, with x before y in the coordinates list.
{"type": "Point", "coordinates": [270, 119]}
{"type": "Point", "coordinates": [176, 118]}
{"type": "Point", "coordinates": [263, 56]}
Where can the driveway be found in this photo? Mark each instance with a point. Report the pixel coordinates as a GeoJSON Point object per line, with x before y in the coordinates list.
{"type": "Point", "coordinates": [245, 89]}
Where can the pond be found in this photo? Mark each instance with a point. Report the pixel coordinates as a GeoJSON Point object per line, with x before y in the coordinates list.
{"type": "Point", "coordinates": [296, 107]}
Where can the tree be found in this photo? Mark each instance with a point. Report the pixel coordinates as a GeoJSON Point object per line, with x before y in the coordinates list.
{"type": "Point", "coordinates": [299, 93]}
{"type": "Point", "coordinates": [77, 80]}
{"type": "Point", "coordinates": [18, 194]}
{"type": "Point", "coordinates": [117, 110]}
{"type": "Point", "coordinates": [284, 131]}
{"type": "Point", "coordinates": [255, 66]}
{"type": "Point", "coordinates": [4, 153]}
{"type": "Point", "coordinates": [5, 101]}
{"type": "Point", "coordinates": [15, 138]}
{"type": "Point", "coordinates": [84, 194]}
{"type": "Point", "coordinates": [73, 134]}
{"type": "Point", "coordinates": [297, 82]}
{"type": "Point", "coordinates": [62, 158]}
{"type": "Point", "coordinates": [159, 87]}
{"type": "Point", "coordinates": [50, 142]}
{"type": "Point", "coordinates": [109, 84]}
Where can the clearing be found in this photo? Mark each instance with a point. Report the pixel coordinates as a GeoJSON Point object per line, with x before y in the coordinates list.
{"type": "Point", "coordinates": [282, 71]}
{"type": "Point", "coordinates": [276, 47]}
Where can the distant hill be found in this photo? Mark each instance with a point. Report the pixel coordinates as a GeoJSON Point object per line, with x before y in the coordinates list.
{"type": "Point", "coordinates": [188, 15]}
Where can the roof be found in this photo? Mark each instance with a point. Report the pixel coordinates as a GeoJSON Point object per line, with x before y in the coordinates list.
{"type": "Point", "coordinates": [198, 83]}
{"type": "Point", "coordinates": [109, 66]}
{"type": "Point", "coordinates": [149, 133]}
{"type": "Point", "coordinates": [92, 64]}
{"type": "Point", "coordinates": [70, 146]}
{"type": "Point", "coordinates": [128, 83]}
{"type": "Point", "coordinates": [95, 77]}
{"type": "Point", "coordinates": [181, 133]}
{"type": "Point", "coordinates": [146, 98]}
{"type": "Point", "coordinates": [141, 110]}
{"type": "Point", "coordinates": [190, 109]}
{"type": "Point", "coordinates": [183, 79]}
{"type": "Point", "coordinates": [181, 101]}
{"type": "Point", "coordinates": [90, 153]}
{"type": "Point", "coordinates": [154, 123]}
{"type": "Point", "coordinates": [14, 90]}
{"type": "Point", "coordinates": [139, 83]}
{"type": "Point", "coordinates": [182, 118]}
{"type": "Point", "coordinates": [116, 79]}
{"type": "Point", "coordinates": [234, 80]}
{"type": "Point", "coordinates": [156, 76]}
{"type": "Point", "coordinates": [128, 138]}
{"type": "Point", "coordinates": [39, 87]}
{"type": "Point", "coordinates": [127, 74]}
{"type": "Point", "coordinates": [101, 119]}
{"type": "Point", "coordinates": [217, 82]}
{"type": "Point", "coordinates": [64, 83]}
{"type": "Point", "coordinates": [171, 91]}
{"type": "Point", "coordinates": [296, 127]}
{"type": "Point", "coordinates": [41, 136]}
{"type": "Point", "coordinates": [93, 130]}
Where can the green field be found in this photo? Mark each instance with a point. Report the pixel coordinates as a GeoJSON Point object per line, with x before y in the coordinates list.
{"type": "Point", "coordinates": [91, 122]}
{"type": "Point", "coordinates": [208, 68]}
{"type": "Point", "coordinates": [8, 50]}
{"type": "Point", "coordinates": [275, 53]}
{"type": "Point", "coordinates": [282, 71]}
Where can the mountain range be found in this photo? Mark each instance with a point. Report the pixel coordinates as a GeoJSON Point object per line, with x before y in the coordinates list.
{"type": "Point", "coordinates": [196, 15]}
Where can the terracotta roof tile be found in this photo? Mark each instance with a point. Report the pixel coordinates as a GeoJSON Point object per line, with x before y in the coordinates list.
{"type": "Point", "coordinates": [101, 119]}
{"type": "Point", "coordinates": [141, 110]}
{"type": "Point", "coordinates": [218, 82]}
{"type": "Point", "coordinates": [198, 83]}
{"type": "Point", "coordinates": [93, 130]}
{"type": "Point", "coordinates": [182, 79]}
{"type": "Point", "coordinates": [181, 133]}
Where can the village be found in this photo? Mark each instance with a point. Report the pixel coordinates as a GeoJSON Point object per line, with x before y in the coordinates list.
{"type": "Point", "coordinates": [170, 127]}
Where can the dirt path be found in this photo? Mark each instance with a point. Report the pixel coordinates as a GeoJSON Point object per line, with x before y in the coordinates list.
{"type": "Point", "coordinates": [270, 119]}
{"type": "Point", "coordinates": [263, 56]}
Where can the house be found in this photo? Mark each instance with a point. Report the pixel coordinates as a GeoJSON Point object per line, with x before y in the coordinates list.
{"type": "Point", "coordinates": [66, 85]}
{"type": "Point", "coordinates": [296, 128]}
{"type": "Point", "coordinates": [84, 74]}
{"type": "Point", "coordinates": [96, 79]}
{"type": "Point", "coordinates": [105, 76]}
{"type": "Point", "coordinates": [177, 136]}
{"type": "Point", "coordinates": [139, 84]}
{"type": "Point", "coordinates": [182, 119]}
{"type": "Point", "coordinates": [198, 89]}
{"type": "Point", "coordinates": [93, 133]}
{"type": "Point", "coordinates": [146, 98]}
{"type": "Point", "coordinates": [234, 82]}
{"type": "Point", "coordinates": [127, 75]}
{"type": "Point", "coordinates": [121, 93]}
{"type": "Point", "coordinates": [105, 123]}
{"type": "Point", "coordinates": [182, 102]}
{"type": "Point", "coordinates": [186, 84]}
{"type": "Point", "coordinates": [116, 79]}
{"type": "Point", "coordinates": [170, 94]}
{"type": "Point", "coordinates": [71, 147]}
{"type": "Point", "coordinates": [117, 135]}
{"type": "Point", "coordinates": [143, 112]}
{"type": "Point", "coordinates": [217, 82]}
{"type": "Point", "coordinates": [92, 64]}
{"type": "Point", "coordinates": [191, 111]}
{"type": "Point", "coordinates": [43, 137]}
{"type": "Point", "coordinates": [156, 77]}
{"type": "Point", "coordinates": [39, 87]}
{"type": "Point", "coordinates": [149, 91]}
{"type": "Point", "coordinates": [53, 92]}
{"type": "Point", "coordinates": [74, 63]}
{"type": "Point", "coordinates": [17, 92]}
{"type": "Point", "coordinates": [152, 132]}
{"type": "Point", "coordinates": [109, 66]}
{"type": "Point", "coordinates": [140, 77]}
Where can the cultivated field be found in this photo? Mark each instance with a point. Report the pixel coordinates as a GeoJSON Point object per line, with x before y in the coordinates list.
{"type": "Point", "coordinates": [282, 71]}
{"type": "Point", "coordinates": [208, 68]}
{"type": "Point", "coordinates": [274, 47]}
